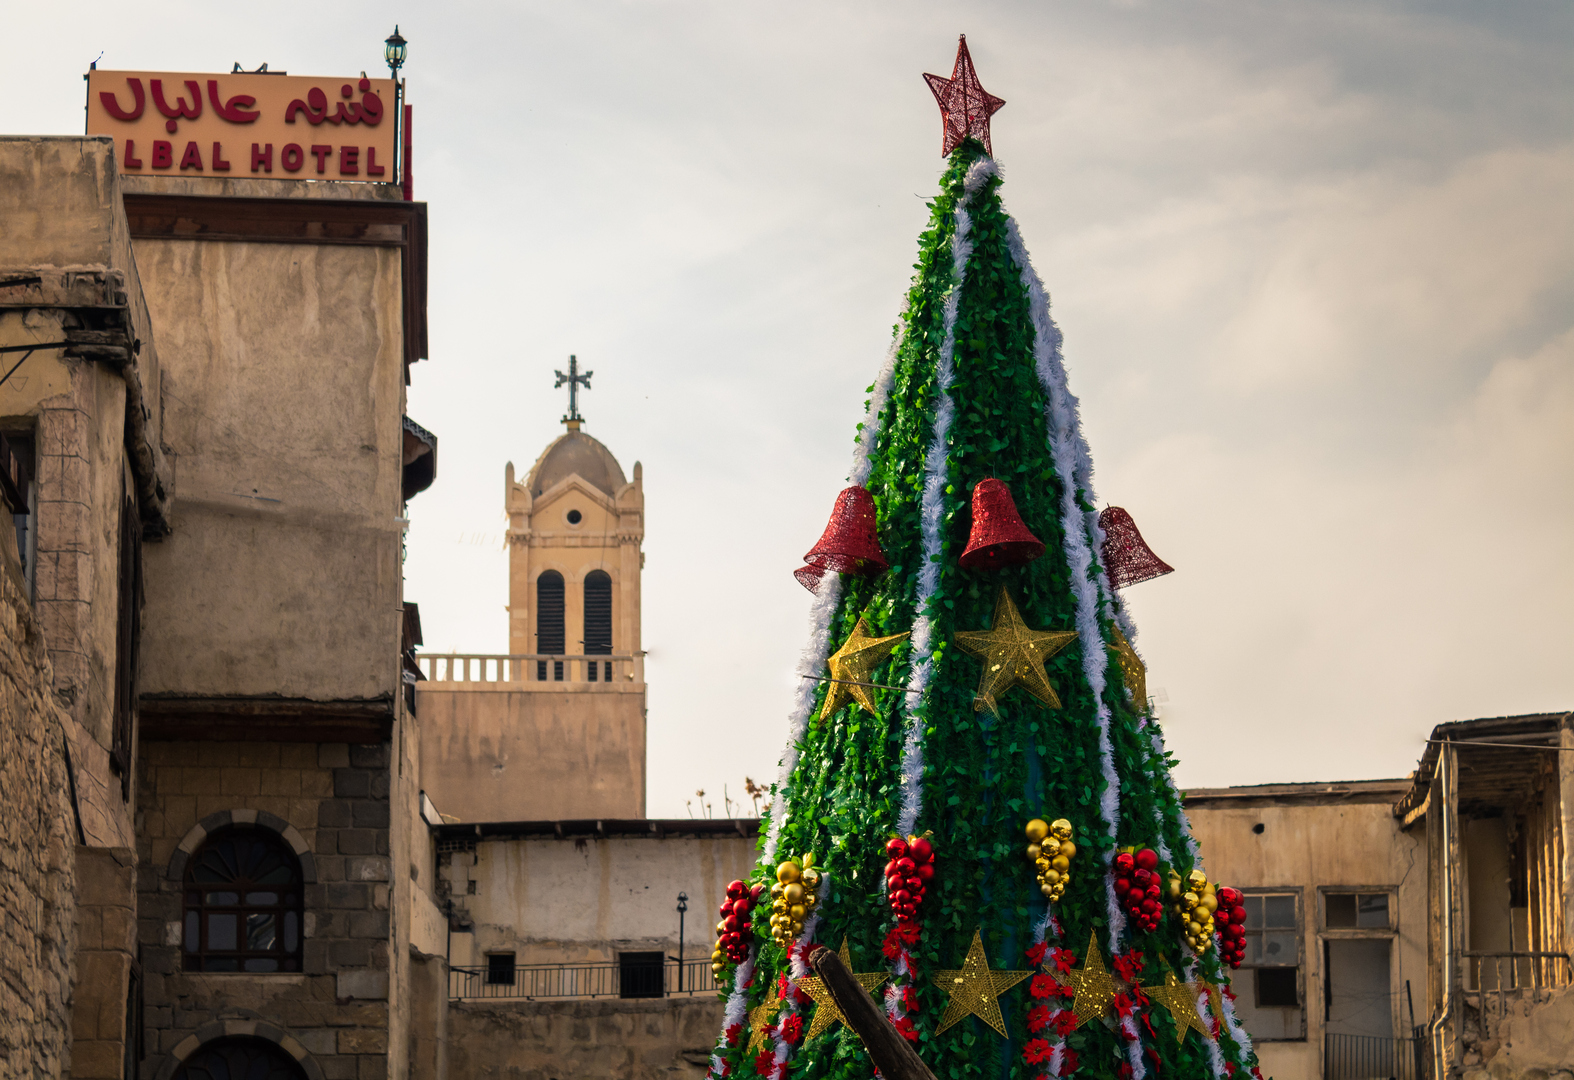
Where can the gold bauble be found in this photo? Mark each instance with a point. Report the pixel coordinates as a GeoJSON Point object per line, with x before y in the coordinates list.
{"type": "Point", "coordinates": [1068, 849]}
{"type": "Point", "coordinates": [1061, 828]}
{"type": "Point", "coordinates": [1051, 875]}
{"type": "Point", "coordinates": [1033, 852]}
{"type": "Point", "coordinates": [1196, 879]}
{"type": "Point", "coordinates": [811, 878]}
{"type": "Point", "coordinates": [1041, 864]}
{"type": "Point", "coordinates": [1190, 900]}
{"type": "Point", "coordinates": [776, 888]}
{"type": "Point", "coordinates": [779, 904]}
{"type": "Point", "coordinates": [1037, 829]}
{"type": "Point", "coordinates": [793, 894]}
{"type": "Point", "coordinates": [1195, 929]}
{"type": "Point", "coordinates": [1045, 888]}
{"type": "Point", "coordinates": [721, 927]}
{"type": "Point", "coordinates": [788, 872]}
{"type": "Point", "coordinates": [1061, 863]}
{"type": "Point", "coordinates": [1210, 902]}
{"type": "Point", "coordinates": [796, 913]}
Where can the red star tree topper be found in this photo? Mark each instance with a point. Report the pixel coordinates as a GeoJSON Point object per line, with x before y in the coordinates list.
{"type": "Point", "coordinates": [965, 107]}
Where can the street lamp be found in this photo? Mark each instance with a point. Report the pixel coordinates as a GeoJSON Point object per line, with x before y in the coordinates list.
{"type": "Point", "coordinates": [683, 905]}
{"type": "Point", "coordinates": [394, 48]}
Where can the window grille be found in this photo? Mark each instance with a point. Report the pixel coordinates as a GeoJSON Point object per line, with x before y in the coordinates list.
{"type": "Point", "coordinates": [243, 904]}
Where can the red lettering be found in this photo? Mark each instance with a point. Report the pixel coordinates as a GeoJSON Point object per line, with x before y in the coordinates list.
{"type": "Point", "coordinates": [163, 154]}
{"type": "Point", "coordinates": [371, 110]}
{"type": "Point", "coordinates": [372, 168]}
{"type": "Point", "coordinates": [219, 164]}
{"type": "Point", "coordinates": [315, 106]}
{"type": "Point", "coordinates": [291, 157]}
{"type": "Point", "coordinates": [321, 154]}
{"type": "Point", "coordinates": [192, 158]}
{"type": "Point", "coordinates": [262, 157]}
{"type": "Point", "coordinates": [112, 106]}
{"type": "Point", "coordinates": [349, 161]}
{"type": "Point", "coordinates": [233, 110]}
{"type": "Point", "coordinates": [180, 109]}
{"type": "Point", "coordinates": [132, 162]}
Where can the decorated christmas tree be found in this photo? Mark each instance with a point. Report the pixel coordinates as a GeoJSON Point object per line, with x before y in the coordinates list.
{"type": "Point", "coordinates": [975, 808]}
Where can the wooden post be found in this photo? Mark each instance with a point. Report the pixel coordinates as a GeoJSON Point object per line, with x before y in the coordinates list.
{"type": "Point", "coordinates": [893, 1055]}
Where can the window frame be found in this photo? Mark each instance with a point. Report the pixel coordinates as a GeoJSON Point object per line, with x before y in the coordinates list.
{"type": "Point", "coordinates": [560, 627]}
{"type": "Point", "coordinates": [1299, 893]}
{"type": "Point", "coordinates": [194, 959]}
{"type": "Point", "coordinates": [512, 958]}
{"type": "Point", "coordinates": [1389, 933]}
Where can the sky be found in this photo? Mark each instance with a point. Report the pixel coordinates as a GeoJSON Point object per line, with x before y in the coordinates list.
{"type": "Point", "coordinates": [1314, 264]}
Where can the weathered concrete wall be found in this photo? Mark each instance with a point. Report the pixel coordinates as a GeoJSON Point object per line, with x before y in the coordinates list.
{"type": "Point", "coordinates": [1352, 844]}
{"type": "Point", "coordinates": [284, 388]}
{"type": "Point", "coordinates": [37, 865]}
{"type": "Point", "coordinates": [336, 798]}
{"type": "Point", "coordinates": [580, 901]}
{"type": "Point", "coordinates": [1537, 1043]}
{"type": "Point", "coordinates": [575, 751]}
{"type": "Point", "coordinates": [662, 1039]}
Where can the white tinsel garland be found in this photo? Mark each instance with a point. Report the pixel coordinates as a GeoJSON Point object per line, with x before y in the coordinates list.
{"type": "Point", "coordinates": [1069, 450]}
{"type": "Point", "coordinates": [931, 513]}
{"type": "Point", "coordinates": [736, 1012]}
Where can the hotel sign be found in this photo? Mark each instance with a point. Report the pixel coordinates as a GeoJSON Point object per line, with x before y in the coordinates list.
{"type": "Point", "coordinates": [278, 127]}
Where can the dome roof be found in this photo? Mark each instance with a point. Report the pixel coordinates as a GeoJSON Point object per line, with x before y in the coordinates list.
{"type": "Point", "coordinates": [576, 452]}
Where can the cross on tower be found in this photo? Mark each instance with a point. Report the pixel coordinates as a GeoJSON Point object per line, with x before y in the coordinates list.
{"type": "Point", "coordinates": [575, 380]}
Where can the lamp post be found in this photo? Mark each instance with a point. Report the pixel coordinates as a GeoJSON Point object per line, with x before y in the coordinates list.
{"type": "Point", "coordinates": [683, 905]}
{"type": "Point", "coordinates": [394, 49]}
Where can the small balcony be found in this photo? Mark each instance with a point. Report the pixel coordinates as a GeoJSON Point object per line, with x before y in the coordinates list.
{"type": "Point", "coordinates": [532, 671]}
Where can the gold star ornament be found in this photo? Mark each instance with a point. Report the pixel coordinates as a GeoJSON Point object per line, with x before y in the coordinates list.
{"type": "Point", "coordinates": [760, 1019]}
{"type": "Point", "coordinates": [1132, 667]}
{"type": "Point", "coordinates": [852, 664]}
{"type": "Point", "coordinates": [826, 1010]}
{"type": "Point", "coordinates": [1012, 655]}
{"type": "Point", "coordinates": [1095, 987]}
{"type": "Point", "coordinates": [975, 989]}
{"type": "Point", "coordinates": [1181, 1000]}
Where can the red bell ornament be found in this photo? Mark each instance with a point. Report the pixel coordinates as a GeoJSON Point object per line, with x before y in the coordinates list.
{"type": "Point", "coordinates": [1126, 556]}
{"type": "Point", "coordinates": [809, 577]}
{"type": "Point", "coordinates": [849, 544]}
{"type": "Point", "coordinates": [999, 537]}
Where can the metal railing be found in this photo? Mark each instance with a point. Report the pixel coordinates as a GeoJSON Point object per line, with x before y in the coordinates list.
{"type": "Point", "coordinates": [497, 668]}
{"type": "Point", "coordinates": [1495, 980]}
{"type": "Point", "coordinates": [1372, 1057]}
{"type": "Point", "coordinates": [535, 982]}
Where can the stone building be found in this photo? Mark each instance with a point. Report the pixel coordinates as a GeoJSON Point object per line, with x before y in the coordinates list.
{"type": "Point", "coordinates": [215, 850]}
{"type": "Point", "coordinates": [1411, 928]}
{"type": "Point", "coordinates": [555, 728]}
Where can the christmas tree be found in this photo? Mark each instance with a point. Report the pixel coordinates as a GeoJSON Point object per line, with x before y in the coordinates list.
{"type": "Point", "coordinates": [975, 807]}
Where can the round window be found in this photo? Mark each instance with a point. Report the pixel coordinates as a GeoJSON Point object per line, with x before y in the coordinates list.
{"type": "Point", "coordinates": [574, 517]}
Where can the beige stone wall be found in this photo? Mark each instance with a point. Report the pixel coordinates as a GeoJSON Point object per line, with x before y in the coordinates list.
{"type": "Point", "coordinates": [37, 865]}
{"type": "Point", "coordinates": [106, 950]}
{"type": "Point", "coordinates": [284, 387]}
{"type": "Point", "coordinates": [586, 900]}
{"type": "Point", "coordinates": [1350, 844]}
{"type": "Point", "coordinates": [529, 753]}
{"type": "Point", "coordinates": [665, 1039]}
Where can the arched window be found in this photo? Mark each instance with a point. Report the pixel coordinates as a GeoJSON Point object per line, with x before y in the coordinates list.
{"type": "Point", "coordinates": [240, 1058]}
{"type": "Point", "coordinates": [598, 622]}
{"type": "Point", "coordinates": [549, 623]}
{"type": "Point", "coordinates": [243, 903]}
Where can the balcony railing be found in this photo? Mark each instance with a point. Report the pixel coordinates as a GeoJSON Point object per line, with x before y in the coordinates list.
{"type": "Point", "coordinates": [1496, 981]}
{"type": "Point", "coordinates": [537, 982]}
{"type": "Point", "coordinates": [505, 668]}
{"type": "Point", "coordinates": [1370, 1057]}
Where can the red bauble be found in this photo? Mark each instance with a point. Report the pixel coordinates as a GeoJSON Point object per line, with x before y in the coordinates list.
{"type": "Point", "coordinates": [921, 851]}
{"type": "Point", "coordinates": [896, 847]}
{"type": "Point", "coordinates": [999, 537]}
{"type": "Point", "coordinates": [735, 890]}
{"type": "Point", "coordinates": [1148, 859]}
{"type": "Point", "coordinates": [1124, 862]}
{"type": "Point", "coordinates": [926, 870]}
